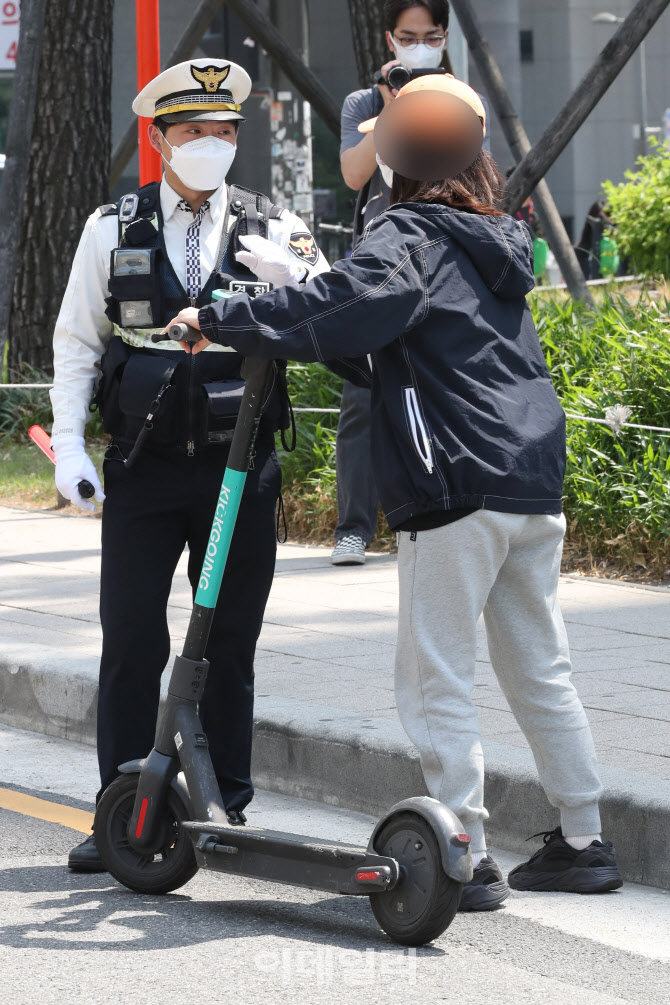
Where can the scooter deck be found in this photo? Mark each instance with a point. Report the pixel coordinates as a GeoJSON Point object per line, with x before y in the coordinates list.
{"type": "Point", "coordinates": [291, 858]}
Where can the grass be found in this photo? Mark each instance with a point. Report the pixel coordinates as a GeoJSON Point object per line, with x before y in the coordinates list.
{"type": "Point", "coordinates": [28, 476]}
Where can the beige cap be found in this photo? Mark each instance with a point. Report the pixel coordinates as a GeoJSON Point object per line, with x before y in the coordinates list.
{"type": "Point", "coordinates": [445, 83]}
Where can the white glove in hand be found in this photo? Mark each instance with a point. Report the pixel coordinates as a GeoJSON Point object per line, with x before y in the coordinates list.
{"type": "Point", "coordinates": [72, 466]}
{"type": "Point", "coordinates": [270, 262]}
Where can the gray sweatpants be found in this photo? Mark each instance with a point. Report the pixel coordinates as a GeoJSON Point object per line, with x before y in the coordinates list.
{"type": "Point", "coordinates": [506, 566]}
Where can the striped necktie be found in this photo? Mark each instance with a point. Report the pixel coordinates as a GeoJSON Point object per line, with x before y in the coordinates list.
{"type": "Point", "coordinates": [193, 250]}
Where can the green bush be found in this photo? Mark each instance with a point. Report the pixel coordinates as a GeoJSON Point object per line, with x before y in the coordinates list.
{"type": "Point", "coordinates": [640, 208]}
{"type": "Point", "coordinates": [617, 488]}
{"type": "Point", "coordinates": [21, 409]}
{"type": "Point", "coordinates": [313, 460]}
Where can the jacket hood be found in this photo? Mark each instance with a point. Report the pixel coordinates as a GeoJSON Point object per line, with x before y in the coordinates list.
{"type": "Point", "coordinates": [500, 247]}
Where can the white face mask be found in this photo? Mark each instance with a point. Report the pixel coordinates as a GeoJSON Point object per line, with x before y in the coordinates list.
{"type": "Point", "coordinates": [202, 164]}
{"type": "Point", "coordinates": [420, 57]}
{"type": "Point", "coordinates": [387, 172]}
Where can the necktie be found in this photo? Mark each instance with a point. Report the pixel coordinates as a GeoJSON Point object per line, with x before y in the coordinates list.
{"type": "Point", "coordinates": [193, 250]}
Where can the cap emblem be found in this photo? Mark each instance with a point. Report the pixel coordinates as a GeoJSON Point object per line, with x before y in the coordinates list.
{"type": "Point", "coordinates": [211, 77]}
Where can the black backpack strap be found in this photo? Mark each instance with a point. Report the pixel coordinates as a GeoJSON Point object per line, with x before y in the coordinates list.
{"type": "Point", "coordinates": [249, 205]}
{"type": "Point", "coordinates": [253, 220]}
{"type": "Point", "coordinates": [253, 211]}
{"type": "Point", "coordinates": [141, 204]}
{"type": "Point", "coordinates": [149, 198]}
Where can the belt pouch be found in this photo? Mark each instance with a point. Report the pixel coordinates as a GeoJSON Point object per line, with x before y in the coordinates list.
{"type": "Point", "coordinates": [143, 378]}
{"type": "Point", "coordinates": [107, 393]}
{"type": "Point", "coordinates": [222, 404]}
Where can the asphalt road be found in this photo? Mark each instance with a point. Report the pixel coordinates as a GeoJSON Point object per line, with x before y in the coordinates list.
{"type": "Point", "coordinates": [71, 938]}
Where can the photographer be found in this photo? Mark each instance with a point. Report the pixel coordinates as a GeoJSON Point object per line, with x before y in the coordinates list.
{"type": "Point", "coordinates": [469, 456]}
{"type": "Point", "coordinates": [416, 34]}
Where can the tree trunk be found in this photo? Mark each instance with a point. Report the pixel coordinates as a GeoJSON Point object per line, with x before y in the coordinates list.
{"type": "Point", "coordinates": [68, 171]}
{"type": "Point", "coordinates": [19, 136]}
{"type": "Point", "coordinates": [367, 32]}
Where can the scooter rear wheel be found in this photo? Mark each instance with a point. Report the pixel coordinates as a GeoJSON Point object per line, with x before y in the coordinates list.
{"type": "Point", "coordinates": [423, 903]}
{"type": "Point", "coordinates": [167, 870]}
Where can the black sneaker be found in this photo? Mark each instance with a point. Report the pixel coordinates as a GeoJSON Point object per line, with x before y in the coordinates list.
{"type": "Point", "coordinates": [86, 857]}
{"type": "Point", "coordinates": [236, 818]}
{"type": "Point", "coordinates": [560, 867]}
{"type": "Point", "coordinates": [486, 890]}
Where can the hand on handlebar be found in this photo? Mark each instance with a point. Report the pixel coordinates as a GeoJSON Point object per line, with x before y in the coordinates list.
{"type": "Point", "coordinates": [189, 316]}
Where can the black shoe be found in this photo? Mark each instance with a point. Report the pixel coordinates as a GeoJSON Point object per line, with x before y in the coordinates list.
{"type": "Point", "coordinates": [85, 857]}
{"type": "Point", "coordinates": [486, 890]}
{"type": "Point", "coordinates": [236, 818]}
{"type": "Point", "coordinates": [560, 867]}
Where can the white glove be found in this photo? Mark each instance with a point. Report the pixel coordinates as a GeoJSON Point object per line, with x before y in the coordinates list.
{"type": "Point", "coordinates": [72, 466]}
{"type": "Point", "coordinates": [270, 262]}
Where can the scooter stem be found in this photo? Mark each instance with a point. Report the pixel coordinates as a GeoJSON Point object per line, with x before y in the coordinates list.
{"type": "Point", "coordinates": [255, 374]}
{"type": "Point", "coordinates": [179, 735]}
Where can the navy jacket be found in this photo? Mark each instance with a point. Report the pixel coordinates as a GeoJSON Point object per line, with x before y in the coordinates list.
{"type": "Point", "coordinates": [463, 409]}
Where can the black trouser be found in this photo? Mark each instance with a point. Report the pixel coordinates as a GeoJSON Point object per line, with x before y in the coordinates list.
{"type": "Point", "coordinates": [151, 511]}
{"type": "Point", "coordinates": [357, 499]}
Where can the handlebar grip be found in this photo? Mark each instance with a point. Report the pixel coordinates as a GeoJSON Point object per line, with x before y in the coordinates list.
{"type": "Point", "coordinates": [178, 333]}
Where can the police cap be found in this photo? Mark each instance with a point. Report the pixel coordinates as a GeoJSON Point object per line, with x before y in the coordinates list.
{"type": "Point", "coordinates": [194, 90]}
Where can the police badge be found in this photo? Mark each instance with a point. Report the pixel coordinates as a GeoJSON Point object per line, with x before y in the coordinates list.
{"type": "Point", "coordinates": [304, 247]}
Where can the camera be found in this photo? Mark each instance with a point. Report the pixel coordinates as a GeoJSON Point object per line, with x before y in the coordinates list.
{"type": "Point", "coordinates": [398, 76]}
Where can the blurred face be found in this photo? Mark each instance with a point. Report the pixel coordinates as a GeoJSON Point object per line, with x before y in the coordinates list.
{"type": "Point", "coordinates": [415, 25]}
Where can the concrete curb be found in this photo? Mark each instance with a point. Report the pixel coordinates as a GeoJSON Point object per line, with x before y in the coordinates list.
{"type": "Point", "coordinates": [318, 752]}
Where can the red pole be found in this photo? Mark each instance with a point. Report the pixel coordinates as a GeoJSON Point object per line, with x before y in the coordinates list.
{"type": "Point", "coordinates": [148, 67]}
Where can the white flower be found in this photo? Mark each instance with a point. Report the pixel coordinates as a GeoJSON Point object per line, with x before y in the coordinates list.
{"type": "Point", "coordinates": [616, 416]}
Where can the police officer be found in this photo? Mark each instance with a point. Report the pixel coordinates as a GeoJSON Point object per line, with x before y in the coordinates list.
{"type": "Point", "coordinates": [170, 416]}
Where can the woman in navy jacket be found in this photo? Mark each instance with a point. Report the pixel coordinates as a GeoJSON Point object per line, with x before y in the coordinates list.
{"type": "Point", "coordinates": [469, 457]}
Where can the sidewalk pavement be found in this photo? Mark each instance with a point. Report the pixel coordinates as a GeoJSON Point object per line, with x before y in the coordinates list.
{"type": "Point", "coordinates": [326, 726]}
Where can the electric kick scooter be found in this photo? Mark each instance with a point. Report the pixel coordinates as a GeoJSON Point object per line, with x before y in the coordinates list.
{"type": "Point", "coordinates": [162, 819]}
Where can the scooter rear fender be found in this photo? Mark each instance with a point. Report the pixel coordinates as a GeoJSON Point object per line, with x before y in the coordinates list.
{"type": "Point", "coordinates": [456, 855]}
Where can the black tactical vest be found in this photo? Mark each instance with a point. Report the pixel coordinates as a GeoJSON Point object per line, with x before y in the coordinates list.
{"type": "Point", "coordinates": [194, 400]}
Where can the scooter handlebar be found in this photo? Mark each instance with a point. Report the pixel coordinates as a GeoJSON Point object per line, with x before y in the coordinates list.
{"type": "Point", "coordinates": [179, 333]}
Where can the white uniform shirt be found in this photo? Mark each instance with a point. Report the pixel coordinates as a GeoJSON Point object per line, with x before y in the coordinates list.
{"type": "Point", "coordinates": [83, 329]}
{"type": "Point", "coordinates": [176, 222]}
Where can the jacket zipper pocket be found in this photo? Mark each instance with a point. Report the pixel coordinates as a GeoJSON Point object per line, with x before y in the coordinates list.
{"type": "Point", "coordinates": [417, 429]}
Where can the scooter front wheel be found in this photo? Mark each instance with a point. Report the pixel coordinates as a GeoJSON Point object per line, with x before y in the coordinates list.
{"type": "Point", "coordinates": [425, 900]}
{"type": "Point", "coordinates": [171, 867]}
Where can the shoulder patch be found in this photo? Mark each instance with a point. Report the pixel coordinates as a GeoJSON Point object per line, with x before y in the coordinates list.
{"type": "Point", "coordinates": [304, 247]}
